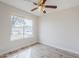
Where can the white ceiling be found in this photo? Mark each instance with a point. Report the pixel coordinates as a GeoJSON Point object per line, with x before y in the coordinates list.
{"type": "Point", "coordinates": [27, 5]}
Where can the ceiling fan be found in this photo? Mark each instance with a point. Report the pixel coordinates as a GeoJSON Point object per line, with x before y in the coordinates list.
{"type": "Point", "coordinates": [41, 6]}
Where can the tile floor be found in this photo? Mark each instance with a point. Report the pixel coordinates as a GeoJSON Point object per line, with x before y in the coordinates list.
{"type": "Point", "coordinates": [41, 51]}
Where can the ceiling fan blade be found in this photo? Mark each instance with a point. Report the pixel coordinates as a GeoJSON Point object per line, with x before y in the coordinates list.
{"type": "Point", "coordinates": [35, 3]}
{"type": "Point", "coordinates": [50, 6]}
{"type": "Point", "coordinates": [44, 11]}
{"type": "Point", "coordinates": [44, 1]}
{"type": "Point", "coordinates": [34, 9]}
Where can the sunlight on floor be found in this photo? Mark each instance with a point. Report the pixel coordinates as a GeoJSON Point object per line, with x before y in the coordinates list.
{"type": "Point", "coordinates": [41, 51]}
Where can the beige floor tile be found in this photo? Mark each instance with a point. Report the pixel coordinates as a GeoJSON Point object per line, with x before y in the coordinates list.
{"type": "Point", "coordinates": [40, 51]}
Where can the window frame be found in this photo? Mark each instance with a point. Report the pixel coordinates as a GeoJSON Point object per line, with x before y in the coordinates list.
{"type": "Point", "coordinates": [28, 37]}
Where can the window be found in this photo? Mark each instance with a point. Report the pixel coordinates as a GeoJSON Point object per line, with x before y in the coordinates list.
{"type": "Point", "coordinates": [21, 28]}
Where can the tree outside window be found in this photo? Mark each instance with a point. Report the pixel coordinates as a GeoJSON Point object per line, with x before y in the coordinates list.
{"type": "Point", "coordinates": [21, 28]}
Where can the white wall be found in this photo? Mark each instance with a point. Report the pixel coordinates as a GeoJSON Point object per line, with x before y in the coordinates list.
{"type": "Point", "coordinates": [5, 27]}
{"type": "Point", "coordinates": [61, 29]}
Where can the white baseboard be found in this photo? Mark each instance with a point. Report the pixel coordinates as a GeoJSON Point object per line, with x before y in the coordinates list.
{"type": "Point", "coordinates": [3, 53]}
{"type": "Point", "coordinates": [63, 50]}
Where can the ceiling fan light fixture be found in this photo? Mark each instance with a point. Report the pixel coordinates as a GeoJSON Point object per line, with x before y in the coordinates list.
{"type": "Point", "coordinates": [41, 8]}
